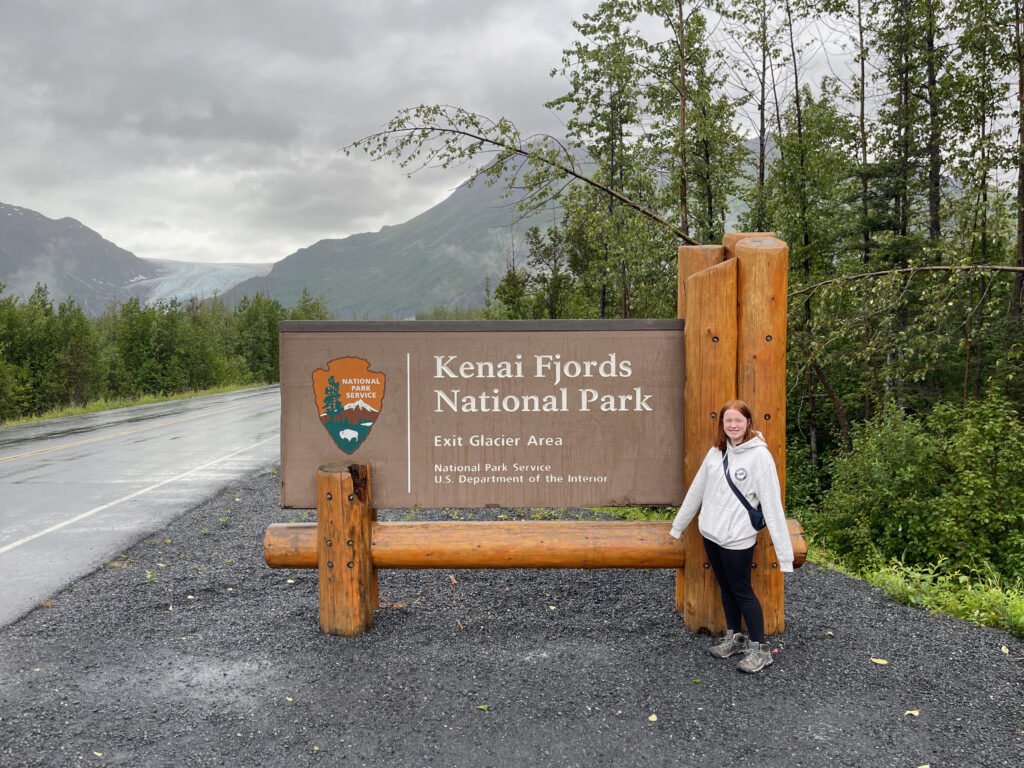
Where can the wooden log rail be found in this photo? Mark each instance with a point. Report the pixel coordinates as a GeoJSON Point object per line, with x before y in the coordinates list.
{"type": "Point", "coordinates": [348, 546]}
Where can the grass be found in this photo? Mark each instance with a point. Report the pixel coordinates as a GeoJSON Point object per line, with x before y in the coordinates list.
{"type": "Point", "coordinates": [639, 513]}
{"type": "Point", "coordinates": [96, 406]}
{"type": "Point", "coordinates": [979, 595]}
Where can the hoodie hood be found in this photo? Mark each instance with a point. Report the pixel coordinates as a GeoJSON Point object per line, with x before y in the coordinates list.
{"type": "Point", "coordinates": [757, 441]}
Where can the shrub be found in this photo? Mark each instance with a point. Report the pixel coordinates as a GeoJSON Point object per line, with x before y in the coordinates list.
{"type": "Point", "coordinates": [947, 485]}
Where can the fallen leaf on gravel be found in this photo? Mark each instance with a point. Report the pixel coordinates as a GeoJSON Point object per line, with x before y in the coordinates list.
{"type": "Point", "coordinates": [484, 707]}
{"type": "Point", "coordinates": [38, 669]}
{"type": "Point", "coordinates": [460, 624]}
{"type": "Point", "coordinates": [926, 765]}
{"type": "Point", "coordinates": [914, 712]}
{"type": "Point", "coordinates": [695, 680]}
{"type": "Point", "coordinates": [191, 597]}
{"type": "Point", "coordinates": [452, 578]}
{"type": "Point", "coordinates": [98, 754]}
{"type": "Point", "coordinates": [829, 633]}
{"type": "Point", "coordinates": [653, 718]}
{"type": "Point", "coordinates": [288, 698]}
{"type": "Point", "coordinates": [1004, 649]}
{"type": "Point", "coordinates": [170, 607]}
{"type": "Point", "coordinates": [291, 581]}
{"type": "Point", "coordinates": [552, 607]}
{"type": "Point", "coordinates": [879, 661]}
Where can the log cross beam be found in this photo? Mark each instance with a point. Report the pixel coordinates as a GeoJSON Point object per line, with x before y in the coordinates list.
{"type": "Point", "coordinates": [348, 546]}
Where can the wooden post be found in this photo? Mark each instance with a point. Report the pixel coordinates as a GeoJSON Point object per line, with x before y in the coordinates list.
{"type": "Point", "coordinates": [348, 580]}
{"type": "Point", "coordinates": [710, 338]}
{"type": "Point", "coordinates": [693, 259]}
{"type": "Point", "coordinates": [762, 284]}
{"type": "Point", "coordinates": [730, 240]}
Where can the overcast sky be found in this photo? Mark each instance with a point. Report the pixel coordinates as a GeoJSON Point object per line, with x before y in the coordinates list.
{"type": "Point", "coordinates": [208, 130]}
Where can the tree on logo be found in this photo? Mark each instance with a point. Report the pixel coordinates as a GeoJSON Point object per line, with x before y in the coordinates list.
{"type": "Point", "coordinates": [332, 399]}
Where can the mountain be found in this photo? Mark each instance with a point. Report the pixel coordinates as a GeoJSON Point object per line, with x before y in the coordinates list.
{"type": "Point", "coordinates": [66, 256]}
{"type": "Point", "coordinates": [72, 260]}
{"type": "Point", "coordinates": [442, 257]}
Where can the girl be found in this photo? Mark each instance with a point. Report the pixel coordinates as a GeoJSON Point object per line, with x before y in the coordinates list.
{"type": "Point", "coordinates": [727, 530]}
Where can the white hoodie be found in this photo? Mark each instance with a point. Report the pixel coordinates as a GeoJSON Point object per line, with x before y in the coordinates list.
{"type": "Point", "coordinates": [723, 518]}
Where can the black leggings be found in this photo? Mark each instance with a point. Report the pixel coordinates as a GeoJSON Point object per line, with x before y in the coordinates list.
{"type": "Point", "coordinates": [732, 571]}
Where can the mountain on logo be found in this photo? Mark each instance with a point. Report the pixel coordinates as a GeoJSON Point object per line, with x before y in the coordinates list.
{"type": "Point", "coordinates": [349, 397]}
{"type": "Point", "coordinates": [362, 406]}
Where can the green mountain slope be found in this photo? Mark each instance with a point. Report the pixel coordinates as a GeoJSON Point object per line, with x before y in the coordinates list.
{"type": "Point", "coordinates": [440, 258]}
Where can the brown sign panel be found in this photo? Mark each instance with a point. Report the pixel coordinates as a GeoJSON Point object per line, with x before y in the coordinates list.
{"type": "Point", "coordinates": [465, 414]}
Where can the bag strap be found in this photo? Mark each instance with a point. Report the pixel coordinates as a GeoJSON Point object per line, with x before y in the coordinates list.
{"type": "Point", "coordinates": [751, 510]}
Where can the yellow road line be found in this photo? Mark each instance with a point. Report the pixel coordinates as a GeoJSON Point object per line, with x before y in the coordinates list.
{"type": "Point", "coordinates": [131, 431]}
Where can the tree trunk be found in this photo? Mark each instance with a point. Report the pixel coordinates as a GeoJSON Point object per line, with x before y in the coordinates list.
{"type": "Point", "coordinates": [934, 131]}
{"type": "Point", "coordinates": [837, 406]}
{"type": "Point", "coordinates": [862, 99]}
{"type": "Point", "coordinates": [684, 216]}
{"type": "Point", "coordinates": [1018, 46]}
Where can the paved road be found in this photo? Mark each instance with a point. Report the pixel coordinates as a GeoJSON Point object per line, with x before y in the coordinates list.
{"type": "Point", "coordinates": [76, 491]}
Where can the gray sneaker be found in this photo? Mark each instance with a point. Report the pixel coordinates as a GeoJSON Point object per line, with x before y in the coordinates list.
{"type": "Point", "coordinates": [730, 645]}
{"type": "Point", "coordinates": [757, 657]}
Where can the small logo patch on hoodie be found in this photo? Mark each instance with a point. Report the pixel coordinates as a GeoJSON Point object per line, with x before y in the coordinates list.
{"type": "Point", "coordinates": [741, 474]}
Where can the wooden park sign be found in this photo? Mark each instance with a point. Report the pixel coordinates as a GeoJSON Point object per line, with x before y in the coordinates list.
{"type": "Point", "coordinates": [462, 414]}
{"type": "Point", "coordinates": [541, 414]}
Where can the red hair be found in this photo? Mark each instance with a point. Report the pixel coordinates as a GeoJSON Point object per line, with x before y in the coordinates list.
{"type": "Point", "coordinates": [733, 405]}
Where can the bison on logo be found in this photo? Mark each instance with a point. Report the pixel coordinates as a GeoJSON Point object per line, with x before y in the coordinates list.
{"type": "Point", "coordinates": [348, 398]}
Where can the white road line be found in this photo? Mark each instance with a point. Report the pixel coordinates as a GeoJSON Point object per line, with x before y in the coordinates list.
{"type": "Point", "coordinates": [130, 496]}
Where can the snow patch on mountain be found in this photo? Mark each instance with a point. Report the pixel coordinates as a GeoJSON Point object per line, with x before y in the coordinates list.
{"type": "Point", "coordinates": [185, 279]}
{"type": "Point", "coordinates": [359, 404]}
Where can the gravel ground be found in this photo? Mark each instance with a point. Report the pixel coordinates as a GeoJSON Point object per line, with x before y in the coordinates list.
{"type": "Point", "coordinates": [188, 651]}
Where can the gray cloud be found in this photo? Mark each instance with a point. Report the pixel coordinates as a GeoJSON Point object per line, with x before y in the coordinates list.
{"type": "Point", "coordinates": [197, 130]}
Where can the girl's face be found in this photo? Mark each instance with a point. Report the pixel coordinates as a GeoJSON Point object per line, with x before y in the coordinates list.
{"type": "Point", "coordinates": [735, 425]}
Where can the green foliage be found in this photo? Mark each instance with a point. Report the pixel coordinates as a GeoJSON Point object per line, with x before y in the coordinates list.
{"type": "Point", "coordinates": [61, 360]}
{"type": "Point", "coordinates": [256, 321]}
{"type": "Point", "coordinates": [310, 307]}
{"type": "Point", "coordinates": [949, 485]}
{"type": "Point", "coordinates": [982, 596]}
{"type": "Point", "coordinates": [457, 313]}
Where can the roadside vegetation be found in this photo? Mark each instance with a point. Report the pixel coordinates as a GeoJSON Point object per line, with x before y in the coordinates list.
{"type": "Point", "coordinates": [103, 404]}
{"type": "Point", "coordinates": [58, 361]}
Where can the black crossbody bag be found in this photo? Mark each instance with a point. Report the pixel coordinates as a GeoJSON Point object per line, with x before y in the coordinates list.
{"type": "Point", "coordinates": [755, 514]}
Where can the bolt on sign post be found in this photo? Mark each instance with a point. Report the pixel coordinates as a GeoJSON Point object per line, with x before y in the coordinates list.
{"type": "Point", "coordinates": [528, 414]}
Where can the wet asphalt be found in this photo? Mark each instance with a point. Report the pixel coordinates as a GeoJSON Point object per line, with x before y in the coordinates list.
{"type": "Point", "coordinates": [76, 491]}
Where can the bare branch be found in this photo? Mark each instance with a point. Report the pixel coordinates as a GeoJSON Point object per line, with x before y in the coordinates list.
{"type": "Point", "coordinates": [408, 139]}
{"type": "Point", "coordinates": [911, 271]}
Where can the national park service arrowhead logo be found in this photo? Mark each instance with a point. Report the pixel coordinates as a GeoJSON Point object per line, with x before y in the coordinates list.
{"type": "Point", "coordinates": [348, 398]}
